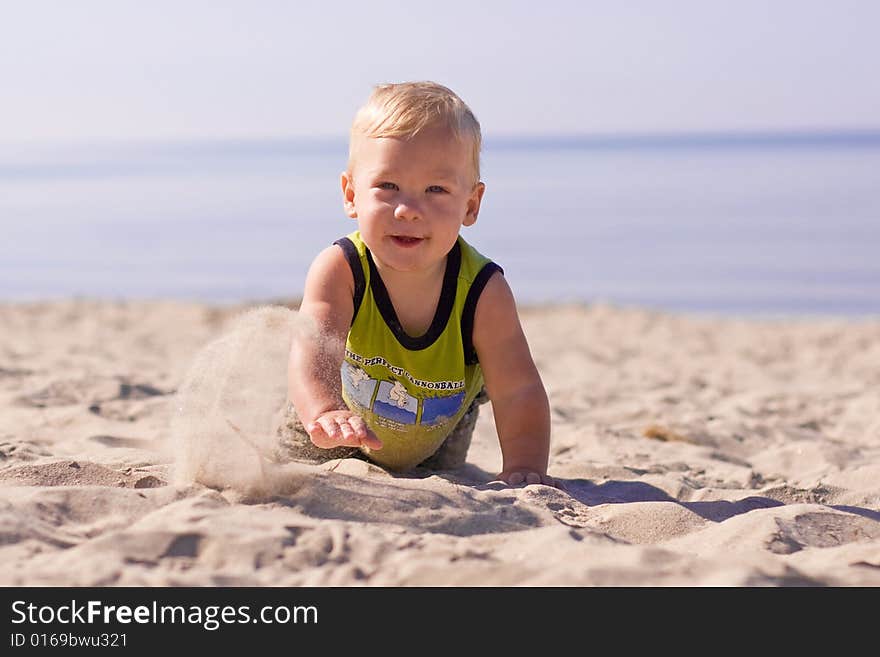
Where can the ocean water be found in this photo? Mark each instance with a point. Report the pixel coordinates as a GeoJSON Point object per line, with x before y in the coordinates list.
{"type": "Point", "coordinates": [729, 224]}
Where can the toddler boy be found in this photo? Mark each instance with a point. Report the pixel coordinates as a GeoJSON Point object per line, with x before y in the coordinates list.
{"type": "Point", "coordinates": [421, 327]}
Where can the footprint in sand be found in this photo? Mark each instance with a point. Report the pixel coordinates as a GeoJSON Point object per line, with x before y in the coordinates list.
{"type": "Point", "coordinates": [14, 373]}
{"type": "Point", "coordinates": [77, 473]}
{"type": "Point", "coordinates": [89, 390]}
{"type": "Point", "coordinates": [132, 402]}
{"type": "Point", "coordinates": [21, 450]}
{"type": "Point", "coordinates": [68, 392]}
{"type": "Point", "coordinates": [118, 441]}
{"type": "Point", "coordinates": [821, 530]}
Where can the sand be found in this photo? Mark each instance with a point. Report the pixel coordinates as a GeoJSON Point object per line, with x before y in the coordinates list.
{"type": "Point", "coordinates": [693, 451]}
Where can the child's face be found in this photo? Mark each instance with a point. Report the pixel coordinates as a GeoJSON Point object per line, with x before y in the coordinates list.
{"type": "Point", "coordinates": [411, 197]}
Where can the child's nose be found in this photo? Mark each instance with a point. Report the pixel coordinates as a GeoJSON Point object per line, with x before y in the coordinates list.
{"type": "Point", "coordinates": [407, 210]}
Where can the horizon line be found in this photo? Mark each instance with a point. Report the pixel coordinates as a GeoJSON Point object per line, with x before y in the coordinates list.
{"type": "Point", "coordinates": [865, 137]}
{"type": "Point", "coordinates": [734, 137]}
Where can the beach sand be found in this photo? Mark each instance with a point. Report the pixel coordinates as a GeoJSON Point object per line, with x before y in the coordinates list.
{"type": "Point", "coordinates": [693, 451]}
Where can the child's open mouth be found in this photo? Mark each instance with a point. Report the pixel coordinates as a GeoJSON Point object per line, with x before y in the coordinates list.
{"type": "Point", "coordinates": [403, 240]}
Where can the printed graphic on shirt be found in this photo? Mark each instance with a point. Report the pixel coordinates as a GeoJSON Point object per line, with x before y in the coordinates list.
{"type": "Point", "coordinates": [395, 403]}
{"type": "Point", "coordinates": [437, 410]}
{"type": "Point", "coordinates": [401, 372]}
{"type": "Point", "coordinates": [359, 387]}
{"type": "Point", "coordinates": [392, 404]}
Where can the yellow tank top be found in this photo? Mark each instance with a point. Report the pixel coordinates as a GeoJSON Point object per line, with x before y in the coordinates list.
{"type": "Point", "coordinates": [412, 391]}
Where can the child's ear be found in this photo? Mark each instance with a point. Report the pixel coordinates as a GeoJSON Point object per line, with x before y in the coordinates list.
{"type": "Point", "coordinates": [348, 194]}
{"type": "Point", "coordinates": [473, 205]}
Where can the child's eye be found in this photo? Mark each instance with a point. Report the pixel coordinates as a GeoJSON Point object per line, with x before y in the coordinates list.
{"type": "Point", "coordinates": [436, 189]}
{"type": "Point", "coordinates": [387, 185]}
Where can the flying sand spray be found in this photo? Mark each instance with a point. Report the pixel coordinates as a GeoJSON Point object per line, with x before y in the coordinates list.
{"type": "Point", "coordinates": [229, 405]}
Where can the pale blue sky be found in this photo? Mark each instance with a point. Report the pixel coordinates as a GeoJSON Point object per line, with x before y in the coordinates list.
{"type": "Point", "coordinates": [262, 68]}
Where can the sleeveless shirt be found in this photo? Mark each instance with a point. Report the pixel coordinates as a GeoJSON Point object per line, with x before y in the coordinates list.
{"type": "Point", "coordinates": [412, 391]}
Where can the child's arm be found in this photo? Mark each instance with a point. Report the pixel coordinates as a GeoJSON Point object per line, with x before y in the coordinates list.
{"type": "Point", "coordinates": [519, 401]}
{"type": "Point", "coordinates": [313, 380]}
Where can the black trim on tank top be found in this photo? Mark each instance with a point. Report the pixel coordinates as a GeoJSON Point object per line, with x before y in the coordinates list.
{"type": "Point", "coordinates": [470, 308]}
{"type": "Point", "coordinates": [444, 305]}
{"type": "Point", "coordinates": [354, 261]}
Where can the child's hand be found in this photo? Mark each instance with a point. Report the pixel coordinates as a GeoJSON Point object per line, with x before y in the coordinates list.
{"type": "Point", "coordinates": [522, 476]}
{"type": "Point", "coordinates": [341, 429]}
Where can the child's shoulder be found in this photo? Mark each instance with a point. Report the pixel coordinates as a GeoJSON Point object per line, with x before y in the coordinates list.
{"type": "Point", "coordinates": [330, 268]}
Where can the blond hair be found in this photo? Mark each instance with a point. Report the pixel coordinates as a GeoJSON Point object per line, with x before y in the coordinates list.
{"type": "Point", "coordinates": [404, 109]}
